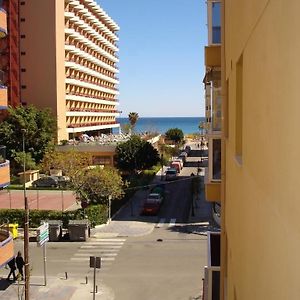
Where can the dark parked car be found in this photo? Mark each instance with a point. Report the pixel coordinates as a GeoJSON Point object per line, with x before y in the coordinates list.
{"type": "Point", "coordinates": [48, 181]}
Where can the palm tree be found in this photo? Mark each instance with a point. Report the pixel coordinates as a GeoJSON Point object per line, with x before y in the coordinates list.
{"type": "Point", "coordinates": [133, 117]}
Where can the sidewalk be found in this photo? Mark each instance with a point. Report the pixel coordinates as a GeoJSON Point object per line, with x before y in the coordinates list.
{"type": "Point", "coordinates": [57, 288]}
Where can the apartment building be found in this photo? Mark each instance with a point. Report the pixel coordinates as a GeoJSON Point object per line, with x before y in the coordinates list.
{"type": "Point", "coordinates": [9, 71]}
{"type": "Point", "coordinates": [69, 64]}
{"type": "Point", "coordinates": [259, 97]}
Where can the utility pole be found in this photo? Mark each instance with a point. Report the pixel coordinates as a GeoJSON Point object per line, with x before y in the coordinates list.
{"type": "Point", "coordinates": [26, 223]}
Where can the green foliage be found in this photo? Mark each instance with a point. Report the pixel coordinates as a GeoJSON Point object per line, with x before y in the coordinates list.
{"type": "Point", "coordinates": [136, 154]}
{"type": "Point", "coordinates": [18, 158]}
{"type": "Point", "coordinates": [39, 125]}
{"type": "Point", "coordinates": [133, 118]}
{"type": "Point", "coordinates": [70, 162]}
{"type": "Point", "coordinates": [126, 128]}
{"type": "Point", "coordinates": [175, 134]}
{"type": "Point", "coordinates": [97, 214]}
{"type": "Point", "coordinates": [95, 185]}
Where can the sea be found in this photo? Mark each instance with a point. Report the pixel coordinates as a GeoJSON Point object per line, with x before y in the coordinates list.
{"type": "Point", "coordinates": [161, 124]}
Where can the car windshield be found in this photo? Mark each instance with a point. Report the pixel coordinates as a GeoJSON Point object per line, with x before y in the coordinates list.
{"type": "Point", "coordinates": [153, 197]}
{"type": "Point", "coordinates": [171, 172]}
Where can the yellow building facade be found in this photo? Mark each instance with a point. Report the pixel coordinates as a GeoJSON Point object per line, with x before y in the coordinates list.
{"type": "Point", "coordinates": [260, 238]}
{"type": "Point", "coordinates": [69, 64]}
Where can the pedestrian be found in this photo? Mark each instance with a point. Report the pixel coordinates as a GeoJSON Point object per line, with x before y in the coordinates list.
{"type": "Point", "coordinates": [12, 266]}
{"type": "Point", "coordinates": [20, 263]}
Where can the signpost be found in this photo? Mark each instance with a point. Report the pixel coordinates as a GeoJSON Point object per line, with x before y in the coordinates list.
{"type": "Point", "coordinates": [95, 262]}
{"type": "Point", "coordinates": [42, 237]}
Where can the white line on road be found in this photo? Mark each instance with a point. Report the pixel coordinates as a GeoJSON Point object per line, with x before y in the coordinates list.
{"type": "Point", "coordinates": [161, 223]}
{"type": "Point", "coordinates": [172, 222]}
{"type": "Point", "coordinates": [101, 246]}
{"type": "Point", "coordinates": [109, 240]}
{"type": "Point", "coordinates": [91, 254]}
{"type": "Point", "coordinates": [105, 243]}
{"type": "Point", "coordinates": [98, 250]}
{"type": "Point", "coordinates": [87, 258]}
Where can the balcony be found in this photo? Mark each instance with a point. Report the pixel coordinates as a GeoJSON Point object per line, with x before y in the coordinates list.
{"type": "Point", "coordinates": [6, 246]}
{"type": "Point", "coordinates": [3, 23]}
{"type": "Point", "coordinates": [212, 188]}
{"type": "Point", "coordinates": [4, 174]}
{"type": "Point", "coordinates": [213, 56]}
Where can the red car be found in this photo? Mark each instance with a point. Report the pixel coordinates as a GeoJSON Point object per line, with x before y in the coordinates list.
{"type": "Point", "coordinates": [152, 204]}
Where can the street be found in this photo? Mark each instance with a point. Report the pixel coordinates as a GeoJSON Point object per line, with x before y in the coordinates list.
{"type": "Point", "coordinates": [143, 257]}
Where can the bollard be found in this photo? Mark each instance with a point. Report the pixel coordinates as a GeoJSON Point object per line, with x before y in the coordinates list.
{"type": "Point", "coordinates": [66, 275]}
{"type": "Point", "coordinates": [86, 280]}
{"type": "Point", "coordinates": [96, 289]}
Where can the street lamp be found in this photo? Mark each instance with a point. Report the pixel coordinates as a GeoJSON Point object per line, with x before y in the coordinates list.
{"type": "Point", "coordinates": [109, 209]}
{"type": "Point", "coordinates": [26, 222]}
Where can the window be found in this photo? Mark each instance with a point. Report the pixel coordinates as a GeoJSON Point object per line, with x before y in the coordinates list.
{"type": "Point", "coordinates": [22, 3]}
{"type": "Point", "coordinates": [22, 19]}
{"type": "Point", "coordinates": [216, 159]}
{"type": "Point", "coordinates": [23, 53]}
{"type": "Point", "coordinates": [216, 23]}
{"type": "Point", "coordinates": [23, 87]}
{"type": "Point", "coordinates": [23, 36]}
{"type": "Point", "coordinates": [23, 70]}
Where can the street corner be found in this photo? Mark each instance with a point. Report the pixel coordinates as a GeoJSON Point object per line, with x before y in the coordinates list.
{"type": "Point", "coordinates": [136, 229]}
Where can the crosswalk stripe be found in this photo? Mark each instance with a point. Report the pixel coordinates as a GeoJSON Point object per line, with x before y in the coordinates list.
{"type": "Point", "coordinates": [98, 250]}
{"type": "Point", "coordinates": [105, 243]}
{"type": "Point", "coordinates": [102, 246]}
{"type": "Point", "coordinates": [88, 258]}
{"type": "Point", "coordinates": [172, 222]}
{"type": "Point", "coordinates": [110, 240]}
{"type": "Point", "coordinates": [161, 222]}
{"type": "Point", "coordinates": [90, 254]}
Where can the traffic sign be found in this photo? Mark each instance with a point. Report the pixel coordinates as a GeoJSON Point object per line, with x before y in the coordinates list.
{"type": "Point", "coordinates": [42, 234]}
{"type": "Point", "coordinates": [95, 262]}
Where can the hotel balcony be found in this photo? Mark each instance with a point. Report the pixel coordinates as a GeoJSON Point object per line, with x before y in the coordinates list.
{"type": "Point", "coordinates": [87, 98]}
{"type": "Point", "coordinates": [213, 56]}
{"type": "Point", "coordinates": [90, 126]}
{"type": "Point", "coordinates": [3, 23]}
{"type": "Point", "coordinates": [70, 47]}
{"type": "Point", "coordinates": [212, 188]}
{"type": "Point", "coordinates": [6, 246]}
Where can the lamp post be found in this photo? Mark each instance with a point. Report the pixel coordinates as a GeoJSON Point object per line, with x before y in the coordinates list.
{"type": "Point", "coordinates": [109, 209]}
{"type": "Point", "coordinates": [162, 167]}
{"type": "Point", "coordinates": [26, 222]}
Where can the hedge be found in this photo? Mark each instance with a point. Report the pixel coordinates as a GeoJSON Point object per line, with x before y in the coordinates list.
{"type": "Point", "coordinates": [97, 214]}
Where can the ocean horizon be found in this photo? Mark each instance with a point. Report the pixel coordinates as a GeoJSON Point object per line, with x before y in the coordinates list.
{"type": "Point", "coordinates": [161, 124]}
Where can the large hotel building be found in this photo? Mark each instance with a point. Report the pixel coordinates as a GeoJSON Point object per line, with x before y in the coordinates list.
{"type": "Point", "coordinates": [69, 63]}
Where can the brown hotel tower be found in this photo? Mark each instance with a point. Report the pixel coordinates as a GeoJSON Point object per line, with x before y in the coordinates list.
{"type": "Point", "coordinates": [68, 63]}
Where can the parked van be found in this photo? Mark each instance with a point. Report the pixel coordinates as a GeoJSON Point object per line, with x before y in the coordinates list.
{"type": "Point", "coordinates": [183, 155]}
{"type": "Point", "coordinates": [178, 159]}
{"type": "Point", "coordinates": [176, 165]}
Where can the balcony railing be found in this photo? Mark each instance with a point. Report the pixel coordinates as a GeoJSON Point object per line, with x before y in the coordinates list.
{"type": "Point", "coordinates": [88, 95]}
{"type": "Point", "coordinates": [90, 124]}
{"type": "Point", "coordinates": [93, 110]}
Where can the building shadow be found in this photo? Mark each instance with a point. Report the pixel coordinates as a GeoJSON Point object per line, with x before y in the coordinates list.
{"type": "Point", "coordinates": [4, 283]}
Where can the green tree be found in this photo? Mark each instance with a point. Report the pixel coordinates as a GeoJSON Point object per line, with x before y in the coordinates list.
{"type": "Point", "coordinates": [18, 158]}
{"type": "Point", "coordinates": [175, 134]}
{"type": "Point", "coordinates": [40, 128]}
{"type": "Point", "coordinates": [95, 185]}
{"type": "Point", "coordinates": [136, 154]}
{"type": "Point", "coordinates": [70, 162]}
{"type": "Point", "coordinates": [202, 127]}
{"type": "Point", "coordinates": [133, 118]}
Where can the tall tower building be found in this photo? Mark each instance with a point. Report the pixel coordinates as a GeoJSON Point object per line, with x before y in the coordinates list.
{"type": "Point", "coordinates": [68, 63]}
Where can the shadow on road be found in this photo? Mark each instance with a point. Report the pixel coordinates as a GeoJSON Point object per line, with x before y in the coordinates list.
{"type": "Point", "coordinates": [4, 284]}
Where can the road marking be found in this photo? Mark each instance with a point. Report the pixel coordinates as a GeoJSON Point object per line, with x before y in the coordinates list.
{"type": "Point", "coordinates": [109, 240]}
{"type": "Point", "coordinates": [105, 243]}
{"type": "Point", "coordinates": [161, 223]}
{"type": "Point", "coordinates": [99, 249]}
{"type": "Point", "coordinates": [172, 222]}
{"type": "Point", "coordinates": [88, 258]}
{"type": "Point", "coordinates": [90, 254]}
{"type": "Point", "coordinates": [102, 246]}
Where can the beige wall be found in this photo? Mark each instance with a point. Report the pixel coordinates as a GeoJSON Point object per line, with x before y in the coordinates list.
{"type": "Point", "coordinates": [44, 77]}
{"type": "Point", "coordinates": [261, 201]}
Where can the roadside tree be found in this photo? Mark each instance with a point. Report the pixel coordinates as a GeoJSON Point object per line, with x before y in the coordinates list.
{"type": "Point", "coordinates": [175, 134]}
{"type": "Point", "coordinates": [95, 185]}
{"type": "Point", "coordinates": [136, 154]}
{"type": "Point", "coordinates": [40, 129]}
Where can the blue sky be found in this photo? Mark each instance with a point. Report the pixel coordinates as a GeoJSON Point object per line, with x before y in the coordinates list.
{"type": "Point", "coordinates": [161, 55]}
